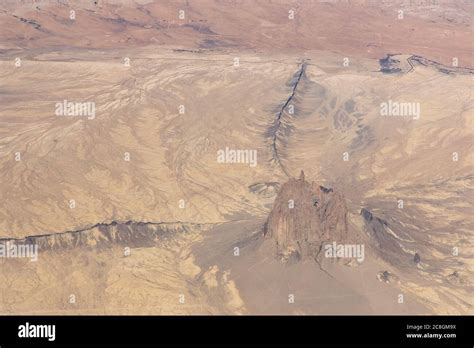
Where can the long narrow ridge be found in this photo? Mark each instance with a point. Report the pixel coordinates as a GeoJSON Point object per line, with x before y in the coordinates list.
{"type": "Point", "coordinates": [107, 224]}
{"type": "Point", "coordinates": [278, 122]}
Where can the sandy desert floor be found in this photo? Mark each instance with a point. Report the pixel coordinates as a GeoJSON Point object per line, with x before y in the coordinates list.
{"type": "Point", "coordinates": [134, 213]}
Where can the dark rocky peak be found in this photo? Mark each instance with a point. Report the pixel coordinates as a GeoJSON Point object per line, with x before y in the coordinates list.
{"type": "Point", "coordinates": [304, 217]}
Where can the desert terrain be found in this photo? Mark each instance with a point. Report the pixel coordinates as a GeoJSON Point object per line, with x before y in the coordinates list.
{"type": "Point", "coordinates": [139, 206]}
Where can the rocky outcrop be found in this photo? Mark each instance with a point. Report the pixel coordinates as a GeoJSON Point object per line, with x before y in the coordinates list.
{"type": "Point", "coordinates": [388, 237]}
{"type": "Point", "coordinates": [304, 217]}
{"type": "Point", "coordinates": [387, 277]}
{"type": "Point", "coordinates": [102, 235]}
{"type": "Point", "coordinates": [403, 63]}
{"type": "Point", "coordinates": [280, 128]}
{"type": "Point", "coordinates": [265, 189]}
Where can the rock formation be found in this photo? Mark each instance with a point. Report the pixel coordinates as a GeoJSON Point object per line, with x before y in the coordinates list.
{"type": "Point", "coordinates": [417, 258]}
{"type": "Point", "coordinates": [304, 217]}
{"type": "Point", "coordinates": [387, 277]}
